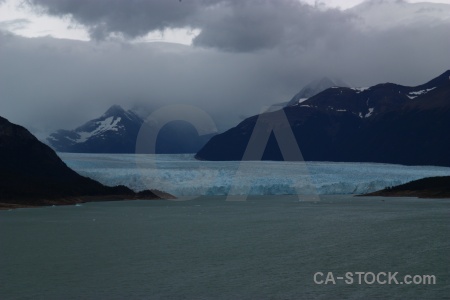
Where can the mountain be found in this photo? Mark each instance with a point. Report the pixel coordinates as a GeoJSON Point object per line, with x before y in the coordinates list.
{"type": "Point", "coordinates": [309, 90]}
{"type": "Point", "coordinates": [386, 123]}
{"type": "Point", "coordinates": [32, 174]}
{"type": "Point", "coordinates": [315, 87]}
{"type": "Point", "coordinates": [116, 131]}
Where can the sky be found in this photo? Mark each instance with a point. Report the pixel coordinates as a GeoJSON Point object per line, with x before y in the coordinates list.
{"type": "Point", "coordinates": [65, 62]}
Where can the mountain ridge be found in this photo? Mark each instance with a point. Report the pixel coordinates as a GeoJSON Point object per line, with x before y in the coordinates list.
{"type": "Point", "coordinates": [315, 87]}
{"type": "Point", "coordinates": [116, 131]}
{"type": "Point", "coordinates": [32, 174]}
{"type": "Point", "coordinates": [113, 132]}
{"type": "Point", "coordinates": [386, 123]}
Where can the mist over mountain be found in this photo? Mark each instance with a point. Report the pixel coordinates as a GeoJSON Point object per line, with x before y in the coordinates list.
{"type": "Point", "coordinates": [315, 87]}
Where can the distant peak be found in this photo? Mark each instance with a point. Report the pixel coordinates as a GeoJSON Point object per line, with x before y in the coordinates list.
{"type": "Point", "coordinates": [330, 81]}
{"type": "Point", "coordinates": [315, 87]}
{"type": "Point", "coordinates": [443, 79]}
{"type": "Point", "coordinates": [114, 110]}
{"type": "Point", "coordinates": [3, 120]}
{"type": "Point", "coordinates": [324, 79]}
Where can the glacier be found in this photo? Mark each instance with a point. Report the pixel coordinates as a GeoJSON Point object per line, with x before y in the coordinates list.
{"type": "Point", "coordinates": [183, 175]}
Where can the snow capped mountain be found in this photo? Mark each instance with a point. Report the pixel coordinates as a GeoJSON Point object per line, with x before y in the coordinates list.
{"type": "Point", "coordinates": [371, 101]}
{"type": "Point", "coordinates": [114, 132]}
{"type": "Point", "coordinates": [309, 90]}
{"type": "Point", "coordinates": [315, 87]}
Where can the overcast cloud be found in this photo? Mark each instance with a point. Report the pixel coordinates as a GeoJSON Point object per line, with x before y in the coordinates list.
{"type": "Point", "coordinates": [247, 55]}
{"type": "Point", "coordinates": [232, 25]}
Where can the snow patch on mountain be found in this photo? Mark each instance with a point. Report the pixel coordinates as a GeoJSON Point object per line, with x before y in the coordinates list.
{"type": "Point", "coordinates": [421, 92]}
{"type": "Point", "coordinates": [413, 95]}
{"type": "Point", "coordinates": [369, 113]}
{"type": "Point", "coordinates": [109, 124]}
{"type": "Point", "coordinates": [360, 89]}
{"type": "Point", "coordinates": [302, 100]}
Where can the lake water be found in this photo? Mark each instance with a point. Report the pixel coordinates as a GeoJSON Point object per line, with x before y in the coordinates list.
{"type": "Point", "coordinates": [268, 247]}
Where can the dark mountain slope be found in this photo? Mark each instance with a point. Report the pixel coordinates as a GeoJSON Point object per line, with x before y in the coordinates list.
{"type": "Point", "coordinates": [385, 123]}
{"type": "Point", "coordinates": [32, 174]}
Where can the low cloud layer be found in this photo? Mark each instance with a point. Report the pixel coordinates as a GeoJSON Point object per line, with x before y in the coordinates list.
{"type": "Point", "coordinates": [254, 25]}
{"type": "Point", "coordinates": [249, 54]}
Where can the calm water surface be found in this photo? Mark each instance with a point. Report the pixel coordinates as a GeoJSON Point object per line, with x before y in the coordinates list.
{"type": "Point", "coordinates": [268, 247]}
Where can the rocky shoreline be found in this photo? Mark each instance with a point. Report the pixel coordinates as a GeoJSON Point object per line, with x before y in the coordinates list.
{"type": "Point", "coordinates": [30, 203]}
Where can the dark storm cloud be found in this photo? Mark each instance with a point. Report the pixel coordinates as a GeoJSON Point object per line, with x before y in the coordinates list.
{"type": "Point", "coordinates": [132, 18]}
{"type": "Point", "coordinates": [47, 83]}
{"type": "Point", "coordinates": [233, 25]}
{"type": "Point", "coordinates": [255, 25]}
{"type": "Point", "coordinates": [273, 49]}
{"type": "Point", "coordinates": [50, 83]}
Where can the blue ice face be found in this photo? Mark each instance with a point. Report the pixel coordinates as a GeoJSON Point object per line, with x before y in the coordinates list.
{"type": "Point", "coordinates": [182, 175]}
